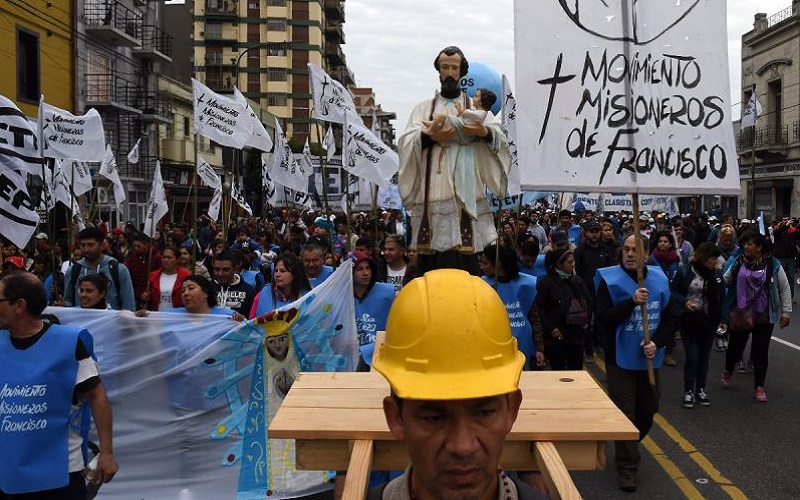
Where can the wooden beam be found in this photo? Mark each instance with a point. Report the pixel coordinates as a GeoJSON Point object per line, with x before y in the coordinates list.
{"type": "Point", "coordinates": [355, 484]}
{"type": "Point", "coordinates": [555, 473]}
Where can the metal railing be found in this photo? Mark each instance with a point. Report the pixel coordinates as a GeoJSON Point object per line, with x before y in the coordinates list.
{"type": "Point", "coordinates": [154, 37]}
{"type": "Point", "coordinates": [221, 7]}
{"type": "Point", "coordinates": [152, 103]}
{"type": "Point", "coordinates": [113, 14]}
{"type": "Point", "coordinates": [110, 88]}
{"type": "Point", "coordinates": [763, 137]}
{"type": "Point", "coordinates": [780, 16]}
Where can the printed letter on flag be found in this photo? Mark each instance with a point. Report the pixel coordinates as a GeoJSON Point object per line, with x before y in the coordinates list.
{"type": "Point", "coordinates": [509, 123]}
{"type": "Point", "coordinates": [367, 156]}
{"type": "Point", "coordinates": [624, 97]}
{"type": "Point", "coordinates": [18, 216]}
{"type": "Point", "coordinates": [331, 99]}
{"type": "Point", "coordinates": [285, 170]}
{"type": "Point", "coordinates": [219, 118]}
{"type": "Point", "coordinates": [109, 170]}
{"type": "Point", "coordinates": [157, 206]}
{"type": "Point", "coordinates": [78, 175]}
{"type": "Point", "coordinates": [19, 148]}
{"type": "Point", "coordinates": [259, 137]}
{"type": "Point", "coordinates": [133, 155]}
{"type": "Point", "coordinates": [68, 136]}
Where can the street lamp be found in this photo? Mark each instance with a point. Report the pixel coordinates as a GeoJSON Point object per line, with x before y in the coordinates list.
{"type": "Point", "coordinates": [266, 45]}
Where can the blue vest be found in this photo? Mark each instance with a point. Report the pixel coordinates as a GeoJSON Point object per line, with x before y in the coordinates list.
{"type": "Point", "coordinates": [36, 387]}
{"type": "Point", "coordinates": [268, 301]}
{"type": "Point", "coordinates": [323, 275]}
{"type": "Point", "coordinates": [574, 234]}
{"type": "Point", "coordinates": [630, 333]}
{"type": "Point", "coordinates": [539, 268]}
{"type": "Point", "coordinates": [371, 313]}
{"type": "Point", "coordinates": [518, 296]}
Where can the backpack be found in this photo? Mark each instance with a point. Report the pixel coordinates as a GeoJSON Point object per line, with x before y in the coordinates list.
{"type": "Point", "coordinates": [113, 268]}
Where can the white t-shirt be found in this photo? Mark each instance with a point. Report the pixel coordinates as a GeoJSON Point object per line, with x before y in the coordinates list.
{"type": "Point", "coordinates": [166, 284]}
{"type": "Point", "coordinates": [396, 277]}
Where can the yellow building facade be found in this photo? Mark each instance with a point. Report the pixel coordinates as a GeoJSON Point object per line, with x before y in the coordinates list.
{"type": "Point", "coordinates": [37, 53]}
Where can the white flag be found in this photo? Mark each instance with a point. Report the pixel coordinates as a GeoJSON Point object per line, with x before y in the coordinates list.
{"type": "Point", "coordinates": [270, 190]}
{"type": "Point", "coordinates": [18, 216]}
{"type": "Point", "coordinates": [375, 128]}
{"type": "Point", "coordinates": [157, 205]}
{"type": "Point", "coordinates": [62, 190]}
{"type": "Point", "coordinates": [78, 175]}
{"type": "Point", "coordinates": [238, 196]}
{"type": "Point", "coordinates": [133, 155]}
{"type": "Point", "coordinates": [19, 149]}
{"type": "Point", "coordinates": [215, 204]}
{"type": "Point", "coordinates": [48, 201]}
{"type": "Point", "coordinates": [329, 143]}
{"type": "Point", "coordinates": [285, 169]}
{"type": "Point", "coordinates": [69, 136]}
{"type": "Point", "coordinates": [367, 156]}
{"type": "Point", "coordinates": [259, 137]}
{"type": "Point", "coordinates": [509, 123]}
{"type": "Point", "coordinates": [109, 170]}
{"type": "Point", "coordinates": [306, 162]}
{"type": "Point", "coordinates": [389, 197]}
{"type": "Point", "coordinates": [752, 111]}
{"type": "Point", "coordinates": [222, 119]}
{"type": "Point", "coordinates": [208, 174]}
{"type": "Point", "coordinates": [332, 101]}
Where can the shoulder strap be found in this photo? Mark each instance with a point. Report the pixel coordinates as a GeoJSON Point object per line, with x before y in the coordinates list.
{"type": "Point", "coordinates": [73, 278]}
{"type": "Point", "coordinates": [113, 268]}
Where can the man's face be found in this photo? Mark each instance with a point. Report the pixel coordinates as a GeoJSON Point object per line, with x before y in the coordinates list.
{"type": "Point", "coordinates": [90, 249]}
{"type": "Point", "coordinates": [392, 253]}
{"type": "Point", "coordinates": [593, 234]}
{"type": "Point", "coordinates": [522, 227]}
{"type": "Point", "coordinates": [454, 446]}
{"type": "Point", "coordinates": [565, 221]}
{"type": "Point", "coordinates": [223, 272]}
{"type": "Point", "coordinates": [629, 253]}
{"type": "Point", "coordinates": [362, 273]}
{"type": "Point", "coordinates": [449, 71]}
{"type": "Point", "coordinates": [242, 237]}
{"type": "Point", "coordinates": [312, 260]}
{"type": "Point", "coordinates": [608, 232]}
{"type": "Point", "coordinates": [6, 309]}
{"type": "Point", "coordinates": [140, 247]}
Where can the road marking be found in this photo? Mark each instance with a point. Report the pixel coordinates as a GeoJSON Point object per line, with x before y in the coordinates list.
{"type": "Point", "coordinates": [669, 466]}
{"type": "Point", "coordinates": [786, 343]}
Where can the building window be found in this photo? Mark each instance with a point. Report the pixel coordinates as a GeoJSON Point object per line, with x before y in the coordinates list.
{"type": "Point", "coordinates": [252, 4]}
{"type": "Point", "coordinates": [276, 74]}
{"type": "Point", "coordinates": [277, 50]}
{"type": "Point", "coordinates": [186, 130]}
{"type": "Point", "coordinates": [276, 99]}
{"type": "Point", "coordinates": [276, 24]}
{"type": "Point", "coordinates": [213, 31]}
{"type": "Point", "coordinates": [276, 3]}
{"type": "Point", "coordinates": [28, 83]}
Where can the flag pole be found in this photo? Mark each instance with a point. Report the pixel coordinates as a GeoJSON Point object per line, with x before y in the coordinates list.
{"type": "Point", "coordinates": [195, 188]}
{"type": "Point", "coordinates": [753, 161]}
{"type": "Point", "coordinates": [651, 377]}
{"type": "Point", "coordinates": [46, 194]}
{"type": "Point", "coordinates": [324, 165]}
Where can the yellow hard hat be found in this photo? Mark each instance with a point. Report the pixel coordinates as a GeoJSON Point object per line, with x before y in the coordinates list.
{"type": "Point", "coordinates": [448, 337]}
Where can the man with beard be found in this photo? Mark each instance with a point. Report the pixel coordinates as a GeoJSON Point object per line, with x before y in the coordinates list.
{"type": "Point", "coordinates": [443, 180]}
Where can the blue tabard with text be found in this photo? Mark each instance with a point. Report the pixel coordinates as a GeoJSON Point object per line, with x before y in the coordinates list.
{"type": "Point", "coordinates": [518, 296]}
{"type": "Point", "coordinates": [371, 313]}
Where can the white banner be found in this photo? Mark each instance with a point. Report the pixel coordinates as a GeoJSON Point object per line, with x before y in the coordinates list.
{"type": "Point", "coordinates": [752, 111]}
{"type": "Point", "coordinates": [68, 136]}
{"type": "Point", "coordinates": [259, 137]}
{"type": "Point", "coordinates": [220, 118]}
{"type": "Point", "coordinates": [389, 197]}
{"type": "Point", "coordinates": [306, 161]}
{"type": "Point", "coordinates": [615, 202]}
{"type": "Point", "coordinates": [238, 197]}
{"type": "Point", "coordinates": [332, 101]}
{"type": "Point", "coordinates": [19, 147]}
{"type": "Point", "coordinates": [157, 204]}
{"type": "Point", "coordinates": [186, 391]}
{"type": "Point", "coordinates": [62, 188]}
{"type": "Point", "coordinates": [109, 170]}
{"type": "Point", "coordinates": [367, 156]}
{"type": "Point", "coordinates": [329, 144]}
{"type": "Point", "coordinates": [625, 97]}
{"type": "Point", "coordinates": [79, 175]}
{"type": "Point", "coordinates": [285, 169]}
{"type": "Point", "coordinates": [18, 216]}
{"type": "Point", "coordinates": [133, 154]}
{"type": "Point", "coordinates": [508, 119]}
{"type": "Point", "coordinates": [207, 174]}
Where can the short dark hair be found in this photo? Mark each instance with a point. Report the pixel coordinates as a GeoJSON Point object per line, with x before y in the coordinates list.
{"type": "Point", "coordinates": [99, 280]}
{"type": "Point", "coordinates": [450, 51]}
{"type": "Point", "coordinates": [530, 247]}
{"type": "Point", "coordinates": [141, 238]}
{"type": "Point", "coordinates": [507, 259]}
{"type": "Point", "coordinates": [396, 239]}
{"type": "Point", "coordinates": [488, 98]}
{"type": "Point", "coordinates": [90, 233]}
{"type": "Point", "coordinates": [364, 241]}
{"type": "Point", "coordinates": [21, 285]}
{"type": "Point", "coordinates": [233, 256]}
{"type": "Point", "coordinates": [207, 287]}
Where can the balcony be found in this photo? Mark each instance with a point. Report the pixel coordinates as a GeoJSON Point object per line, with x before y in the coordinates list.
{"type": "Point", "coordinates": [224, 10]}
{"type": "Point", "coordinates": [112, 22]}
{"type": "Point", "coordinates": [177, 150]}
{"type": "Point", "coordinates": [155, 45]}
{"type": "Point", "coordinates": [145, 169]}
{"type": "Point", "coordinates": [334, 9]}
{"type": "Point", "coordinates": [769, 137]}
{"type": "Point", "coordinates": [334, 32]}
{"type": "Point", "coordinates": [218, 59]}
{"type": "Point", "coordinates": [155, 107]}
{"type": "Point", "coordinates": [220, 81]}
{"type": "Point", "coordinates": [109, 90]}
{"type": "Point", "coordinates": [343, 75]}
{"type": "Point", "coordinates": [333, 51]}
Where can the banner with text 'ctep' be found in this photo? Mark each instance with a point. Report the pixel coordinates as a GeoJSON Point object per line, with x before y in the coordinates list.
{"type": "Point", "coordinates": [624, 96]}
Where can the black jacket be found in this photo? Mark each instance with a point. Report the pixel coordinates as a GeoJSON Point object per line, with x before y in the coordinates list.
{"type": "Point", "coordinates": [712, 291]}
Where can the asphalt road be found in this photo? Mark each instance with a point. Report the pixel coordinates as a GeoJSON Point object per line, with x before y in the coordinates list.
{"type": "Point", "coordinates": [736, 448]}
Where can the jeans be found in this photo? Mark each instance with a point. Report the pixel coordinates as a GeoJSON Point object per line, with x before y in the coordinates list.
{"type": "Point", "coordinates": [790, 268]}
{"type": "Point", "coordinates": [759, 350]}
{"type": "Point", "coordinates": [697, 335]}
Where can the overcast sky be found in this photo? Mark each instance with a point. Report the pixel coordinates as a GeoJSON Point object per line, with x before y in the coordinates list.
{"type": "Point", "coordinates": [391, 44]}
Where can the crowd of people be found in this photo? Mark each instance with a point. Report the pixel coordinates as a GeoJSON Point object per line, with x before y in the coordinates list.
{"type": "Point", "coordinates": [555, 271]}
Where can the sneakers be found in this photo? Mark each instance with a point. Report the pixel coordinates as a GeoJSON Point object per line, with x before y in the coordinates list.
{"type": "Point", "coordinates": [760, 395]}
{"type": "Point", "coordinates": [720, 344]}
{"type": "Point", "coordinates": [725, 382]}
{"type": "Point", "coordinates": [670, 361]}
{"type": "Point", "coordinates": [701, 397]}
{"type": "Point", "coordinates": [688, 399]}
{"type": "Point", "coordinates": [627, 480]}
{"type": "Point", "coordinates": [741, 367]}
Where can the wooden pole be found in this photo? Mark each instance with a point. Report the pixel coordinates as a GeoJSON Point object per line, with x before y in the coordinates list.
{"type": "Point", "coordinates": [640, 258]}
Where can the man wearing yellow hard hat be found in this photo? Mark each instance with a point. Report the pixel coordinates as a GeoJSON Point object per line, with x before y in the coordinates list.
{"type": "Point", "coordinates": [454, 369]}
